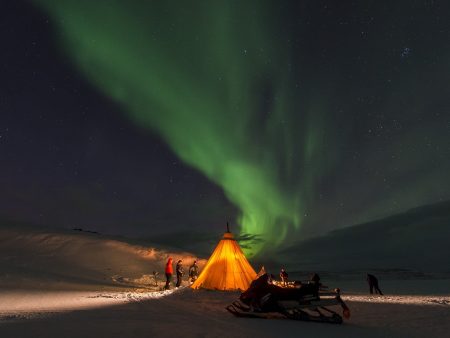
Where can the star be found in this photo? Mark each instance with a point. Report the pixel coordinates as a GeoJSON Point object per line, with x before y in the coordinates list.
{"type": "Point", "coordinates": [405, 52]}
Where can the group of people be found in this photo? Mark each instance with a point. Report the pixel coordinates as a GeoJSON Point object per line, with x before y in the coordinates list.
{"type": "Point", "coordinates": [284, 278]}
{"type": "Point", "coordinates": [193, 274]}
{"type": "Point", "coordinates": [371, 280]}
{"type": "Point", "coordinates": [179, 270]}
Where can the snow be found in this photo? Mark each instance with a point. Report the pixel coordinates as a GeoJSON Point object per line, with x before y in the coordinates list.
{"type": "Point", "coordinates": [65, 285]}
{"type": "Point", "coordinates": [201, 314]}
{"type": "Point", "coordinates": [41, 259]}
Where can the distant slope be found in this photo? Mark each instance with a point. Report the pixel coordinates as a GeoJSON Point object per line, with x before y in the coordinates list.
{"type": "Point", "coordinates": [417, 239]}
{"type": "Point", "coordinates": [64, 260]}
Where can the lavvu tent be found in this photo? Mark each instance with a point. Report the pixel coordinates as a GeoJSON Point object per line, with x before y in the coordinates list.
{"type": "Point", "coordinates": [227, 268]}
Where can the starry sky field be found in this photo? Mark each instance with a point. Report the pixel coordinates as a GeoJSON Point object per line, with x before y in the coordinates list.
{"type": "Point", "coordinates": [163, 120]}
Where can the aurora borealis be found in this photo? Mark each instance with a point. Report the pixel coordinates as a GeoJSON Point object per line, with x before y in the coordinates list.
{"type": "Point", "coordinates": [204, 104]}
{"type": "Point", "coordinates": [308, 115]}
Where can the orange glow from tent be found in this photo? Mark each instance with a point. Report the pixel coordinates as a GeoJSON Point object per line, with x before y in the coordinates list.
{"type": "Point", "coordinates": [227, 268]}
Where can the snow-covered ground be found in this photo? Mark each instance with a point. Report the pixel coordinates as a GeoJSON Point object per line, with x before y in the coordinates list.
{"type": "Point", "coordinates": [77, 285]}
{"type": "Point", "coordinates": [72, 260]}
{"type": "Point", "coordinates": [201, 313]}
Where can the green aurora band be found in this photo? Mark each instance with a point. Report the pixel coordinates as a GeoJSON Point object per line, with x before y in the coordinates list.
{"type": "Point", "coordinates": [213, 79]}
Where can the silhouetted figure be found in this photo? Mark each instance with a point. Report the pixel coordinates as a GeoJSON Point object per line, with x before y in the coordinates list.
{"type": "Point", "coordinates": [169, 272]}
{"type": "Point", "coordinates": [315, 278]}
{"type": "Point", "coordinates": [193, 272]}
{"type": "Point", "coordinates": [271, 278]}
{"type": "Point", "coordinates": [373, 284]}
{"type": "Point", "coordinates": [284, 276]}
{"type": "Point", "coordinates": [315, 281]}
{"type": "Point", "coordinates": [155, 277]}
{"type": "Point", "coordinates": [180, 272]}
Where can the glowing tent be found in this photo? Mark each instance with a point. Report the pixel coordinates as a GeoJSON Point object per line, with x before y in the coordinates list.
{"type": "Point", "coordinates": [227, 268]}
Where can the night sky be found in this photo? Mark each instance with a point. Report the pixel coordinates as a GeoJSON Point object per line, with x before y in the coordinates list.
{"type": "Point", "coordinates": [162, 120]}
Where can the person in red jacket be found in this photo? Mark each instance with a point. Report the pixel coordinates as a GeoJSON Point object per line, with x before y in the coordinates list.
{"type": "Point", "coordinates": [169, 272]}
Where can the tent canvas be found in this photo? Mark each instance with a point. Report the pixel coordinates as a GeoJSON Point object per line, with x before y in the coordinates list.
{"type": "Point", "coordinates": [227, 268]}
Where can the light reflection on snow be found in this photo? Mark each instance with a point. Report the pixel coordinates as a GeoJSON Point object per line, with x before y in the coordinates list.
{"type": "Point", "coordinates": [19, 304]}
{"type": "Point", "coordinates": [403, 299]}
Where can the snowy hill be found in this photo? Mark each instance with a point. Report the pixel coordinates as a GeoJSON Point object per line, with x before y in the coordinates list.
{"type": "Point", "coordinates": [417, 239]}
{"type": "Point", "coordinates": [76, 260]}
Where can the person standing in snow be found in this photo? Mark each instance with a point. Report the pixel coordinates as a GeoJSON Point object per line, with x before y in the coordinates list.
{"type": "Point", "coordinates": [169, 273]}
{"type": "Point", "coordinates": [284, 277]}
{"type": "Point", "coordinates": [180, 272]}
{"type": "Point", "coordinates": [193, 272]}
{"type": "Point", "coordinates": [155, 277]}
{"type": "Point", "coordinates": [373, 284]}
{"type": "Point", "coordinates": [315, 279]}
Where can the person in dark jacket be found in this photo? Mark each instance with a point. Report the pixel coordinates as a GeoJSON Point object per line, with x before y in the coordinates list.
{"type": "Point", "coordinates": [169, 273]}
{"type": "Point", "coordinates": [284, 277]}
{"type": "Point", "coordinates": [315, 278]}
{"type": "Point", "coordinates": [155, 277]}
{"type": "Point", "coordinates": [180, 272]}
{"type": "Point", "coordinates": [193, 272]}
{"type": "Point", "coordinates": [373, 284]}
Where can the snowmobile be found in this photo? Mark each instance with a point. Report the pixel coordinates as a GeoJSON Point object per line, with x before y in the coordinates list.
{"type": "Point", "coordinates": [305, 302]}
